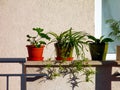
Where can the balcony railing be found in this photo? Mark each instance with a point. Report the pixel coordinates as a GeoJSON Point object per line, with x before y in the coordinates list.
{"type": "Point", "coordinates": [103, 67]}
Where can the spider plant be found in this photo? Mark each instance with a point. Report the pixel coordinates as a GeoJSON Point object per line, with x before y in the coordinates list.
{"type": "Point", "coordinates": [69, 40]}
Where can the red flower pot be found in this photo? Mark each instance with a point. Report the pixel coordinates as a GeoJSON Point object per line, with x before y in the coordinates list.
{"type": "Point", "coordinates": [35, 54]}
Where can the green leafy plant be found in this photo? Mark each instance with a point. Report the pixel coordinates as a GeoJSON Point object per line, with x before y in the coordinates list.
{"type": "Point", "coordinates": [115, 26]}
{"type": "Point", "coordinates": [100, 40]}
{"type": "Point", "coordinates": [70, 39]}
{"type": "Point", "coordinates": [38, 40]}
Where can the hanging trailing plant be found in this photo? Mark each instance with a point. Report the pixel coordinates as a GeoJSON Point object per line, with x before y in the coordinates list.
{"type": "Point", "coordinates": [75, 70]}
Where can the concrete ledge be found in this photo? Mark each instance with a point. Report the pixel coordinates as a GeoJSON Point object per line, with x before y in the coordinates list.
{"type": "Point", "coordinates": [54, 63]}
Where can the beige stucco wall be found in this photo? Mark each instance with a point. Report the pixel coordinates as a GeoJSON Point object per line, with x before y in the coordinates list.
{"type": "Point", "coordinates": [18, 17]}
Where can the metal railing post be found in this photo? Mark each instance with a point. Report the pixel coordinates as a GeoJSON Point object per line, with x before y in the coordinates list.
{"type": "Point", "coordinates": [22, 75]}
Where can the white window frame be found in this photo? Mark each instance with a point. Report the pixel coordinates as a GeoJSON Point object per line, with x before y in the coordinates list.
{"type": "Point", "coordinates": [98, 25]}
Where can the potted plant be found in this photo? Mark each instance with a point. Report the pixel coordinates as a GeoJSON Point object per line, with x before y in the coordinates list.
{"type": "Point", "coordinates": [98, 47]}
{"type": "Point", "coordinates": [37, 44]}
{"type": "Point", "coordinates": [115, 33]}
{"type": "Point", "coordinates": [66, 42]}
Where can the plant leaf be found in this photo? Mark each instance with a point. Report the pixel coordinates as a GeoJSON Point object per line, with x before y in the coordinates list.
{"type": "Point", "coordinates": [107, 40]}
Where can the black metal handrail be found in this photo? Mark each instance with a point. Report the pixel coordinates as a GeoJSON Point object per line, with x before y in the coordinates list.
{"type": "Point", "coordinates": [22, 75]}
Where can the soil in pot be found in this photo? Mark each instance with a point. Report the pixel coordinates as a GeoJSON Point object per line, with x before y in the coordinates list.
{"type": "Point", "coordinates": [67, 59]}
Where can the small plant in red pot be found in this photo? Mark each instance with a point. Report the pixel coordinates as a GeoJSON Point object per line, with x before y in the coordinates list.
{"type": "Point", "coordinates": [37, 44]}
{"type": "Point", "coordinates": [67, 42]}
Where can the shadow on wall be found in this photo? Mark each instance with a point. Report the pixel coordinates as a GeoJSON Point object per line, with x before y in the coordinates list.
{"type": "Point", "coordinates": [104, 77]}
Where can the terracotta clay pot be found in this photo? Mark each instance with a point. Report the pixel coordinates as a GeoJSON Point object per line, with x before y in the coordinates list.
{"type": "Point", "coordinates": [67, 59]}
{"type": "Point", "coordinates": [63, 53]}
{"type": "Point", "coordinates": [35, 54]}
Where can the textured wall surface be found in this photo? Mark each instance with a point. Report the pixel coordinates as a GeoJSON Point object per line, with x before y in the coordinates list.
{"type": "Point", "coordinates": [17, 18]}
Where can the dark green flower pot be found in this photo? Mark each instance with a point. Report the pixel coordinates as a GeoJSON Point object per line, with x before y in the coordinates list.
{"type": "Point", "coordinates": [98, 51]}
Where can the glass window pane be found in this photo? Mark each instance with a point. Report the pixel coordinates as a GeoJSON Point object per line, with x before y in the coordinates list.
{"type": "Point", "coordinates": [110, 9]}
